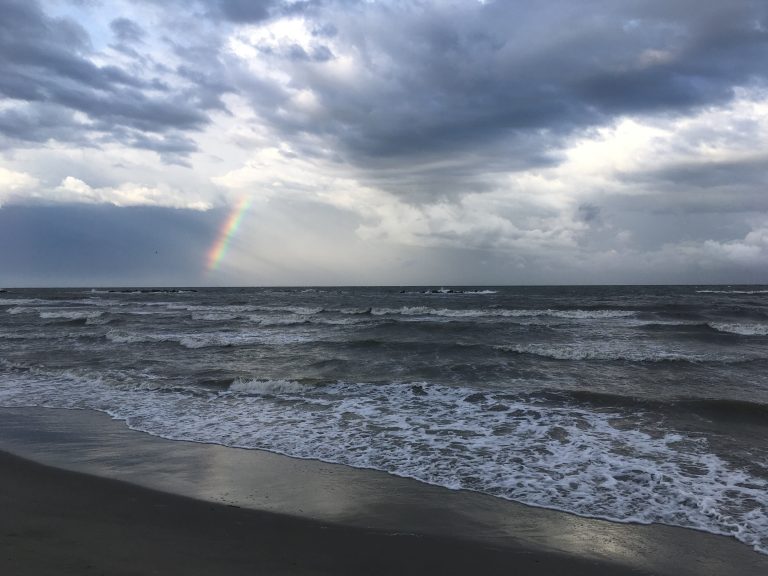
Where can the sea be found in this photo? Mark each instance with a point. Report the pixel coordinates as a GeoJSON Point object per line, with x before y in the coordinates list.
{"type": "Point", "coordinates": [642, 404]}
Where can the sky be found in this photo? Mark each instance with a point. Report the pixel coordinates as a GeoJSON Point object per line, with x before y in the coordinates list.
{"type": "Point", "coordinates": [429, 142]}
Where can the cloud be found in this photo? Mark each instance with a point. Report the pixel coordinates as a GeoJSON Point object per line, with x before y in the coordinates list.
{"type": "Point", "coordinates": [103, 245]}
{"type": "Point", "coordinates": [126, 30]}
{"type": "Point", "coordinates": [501, 85]}
{"type": "Point", "coordinates": [553, 138]}
{"type": "Point", "coordinates": [742, 258]}
{"type": "Point", "coordinates": [60, 87]}
{"type": "Point", "coordinates": [14, 184]}
{"type": "Point", "coordinates": [74, 190]}
{"type": "Point", "coordinates": [22, 188]}
{"type": "Point", "coordinates": [608, 204]}
{"type": "Point", "coordinates": [242, 10]}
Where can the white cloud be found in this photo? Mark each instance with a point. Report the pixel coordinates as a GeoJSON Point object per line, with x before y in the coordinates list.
{"type": "Point", "coordinates": [72, 189]}
{"type": "Point", "coordinates": [15, 184]}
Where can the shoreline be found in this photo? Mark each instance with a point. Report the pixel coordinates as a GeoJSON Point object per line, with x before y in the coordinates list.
{"type": "Point", "coordinates": [358, 513]}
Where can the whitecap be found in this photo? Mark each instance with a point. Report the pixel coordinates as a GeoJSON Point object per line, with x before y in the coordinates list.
{"type": "Point", "coordinates": [743, 329]}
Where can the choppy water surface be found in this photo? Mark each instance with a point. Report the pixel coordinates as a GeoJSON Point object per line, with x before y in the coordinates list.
{"type": "Point", "coordinates": [642, 404]}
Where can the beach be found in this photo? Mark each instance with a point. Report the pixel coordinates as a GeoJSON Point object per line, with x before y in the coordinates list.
{"type": "Point", "coordinates": [83, 494]}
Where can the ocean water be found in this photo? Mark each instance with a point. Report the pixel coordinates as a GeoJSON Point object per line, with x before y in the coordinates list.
{"type": "Point", "coordinates": [635, 404]}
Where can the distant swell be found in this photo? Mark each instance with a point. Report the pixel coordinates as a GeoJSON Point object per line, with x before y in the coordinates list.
{"type": "Point", "coordinates": [503, 313]}
{"type": "Point", "coordinates": [580, 352]}
{"type": "Point", "coordinates": [207, 339]}
{"type": "Point", "coordinates": [450, 291]}
{"type": "Point", "coordinates": [732, 291]}
{"type": "Point", "coordinates": [71, 314]}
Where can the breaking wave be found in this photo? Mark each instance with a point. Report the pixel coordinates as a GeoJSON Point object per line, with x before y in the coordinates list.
{"type": "Point", "coordinates": [567, 458]}
{"type": "Point", "coordinates": [743, 329]}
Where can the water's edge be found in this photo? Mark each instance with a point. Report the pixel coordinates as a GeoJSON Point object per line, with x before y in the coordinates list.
{"type": "Point", "coordinates": [91, 442]}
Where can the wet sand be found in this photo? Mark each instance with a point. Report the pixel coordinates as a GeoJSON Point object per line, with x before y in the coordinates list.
{"type": "Point", "coordinates": [130, 503]}
{"type": "Point", "coordinates": [60, 522]}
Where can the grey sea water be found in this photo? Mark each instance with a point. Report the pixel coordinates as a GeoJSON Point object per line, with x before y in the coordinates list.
{"type": "Point", "coordinates": [636, 404]}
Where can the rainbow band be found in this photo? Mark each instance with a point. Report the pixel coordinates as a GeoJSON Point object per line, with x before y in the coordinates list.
{"type": "Point", "coordinates": [228, 230]}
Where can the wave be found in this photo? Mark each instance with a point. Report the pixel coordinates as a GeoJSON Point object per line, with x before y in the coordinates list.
{"type": "Point", "coordinates": [236, 308]}
{"type": "Point", "coordinates": [71, 314]}
{"type": "Point", "coordinates": [739, 328]}
{"type": "Point", "coordinates": [299, 310]}
{"type": "Point", "coordinates": [691, 325]}
{"type": "Point", "coordinates": [289, 321]}
{"type": "Point", "coordinates": [22, 301]}
{"type": "Point", "coordinates": [503, 313]}
{"type": "Point", "coordinates": [605, 353]}
{"type": "Point", "coordinates": [321, 315]}
{"type": "Point", "coordinates": [267, 387]}
{"type": "Point", "coordinates": [450, 291]}
{"type": "Point", "coordinates": [143, 291]}
{"type": "Point", "coordinates": [728, 408]}
{"type": "Point", "coordinates": [214, 316]}
{"type": "Point", "coordinates": [743, 329]}
{"type": "Point", "coordinates": [567, 458]}
{"type": "Point", "coordinates": [314, 311]}
{"type": "Point", "coordinates": [721, 408]}
{"type": "Point", "coordinates": [731, 291]}
{"type": "Point", "coordinates": [353, 318]}
{"type": "Point", "coordinates": [20, 310]}
{"type": "Point", "coordinates": [208, 339]}
{"type": "Point", "coordinates": [15, 335]}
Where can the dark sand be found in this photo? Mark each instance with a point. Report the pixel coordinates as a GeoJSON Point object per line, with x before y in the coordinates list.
{"type": "Point", "coordinates": [60, 522]}
{"type": "Point", "coordinates": [288, 516]}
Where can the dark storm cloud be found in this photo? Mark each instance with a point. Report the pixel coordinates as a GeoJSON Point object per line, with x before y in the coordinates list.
{"type": "Point", "coordinates": [470, 79]}
{"type": "Point", "coordinates": [715, 187]}
{"type": "Point", "coordinates": [242, 10]}
{"type": "Point", "coordinates": [80, 244]}
{"type": "Point", "coordinates": [38, 124]}
{"type": "Point", "coordinates": [589, 213]}
{"type": "Point", "coordinates": [127, 30]}
{"type": "Point", "coordinates": [751, 172]}
{"type": "Point", "coordinates": [235, 11]}
{"type": "Point", "coordinates": [44, 65]}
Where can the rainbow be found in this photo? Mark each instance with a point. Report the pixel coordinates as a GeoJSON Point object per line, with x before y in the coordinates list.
{"type": "Point", "coordinates": [228, 230]}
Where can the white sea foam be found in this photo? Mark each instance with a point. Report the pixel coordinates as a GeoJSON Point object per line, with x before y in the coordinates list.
{"type": "Point", "coordinates": [300, 310]}
{"type": "Point", "coordinates": [71, 314]}
{"type": "Point", "coordinates": [213, 316]}
{"type": "Point", "coordinates": [503, 313]}
{"type": "Point", "coordinates": [565, 458]}
{"type": "Point", "coordinates": [742, 328]}
{"type": "Point", "coordinates": [732, 291]}
{"type": "Point", "coordinates": [267, 387]}
{"type": "Point", "coordinates": [319, 315]}
{"type": "Point", "coordinates": [452, 292]}
{"type": "Point", "coordinates": [207, 339]}
{"type": "Point", "coordinates": [21, 301]}
{"type": "Point", "coordinates": [605, 350]}
{"type": "Point", "coordinates": [284, 320]}
{"type": "Point", "coordinates": [347, 318]}
{"type": "Point", "coordinates": [50, 303]}
{"type": "Point", "coordinates": [20, 310]}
